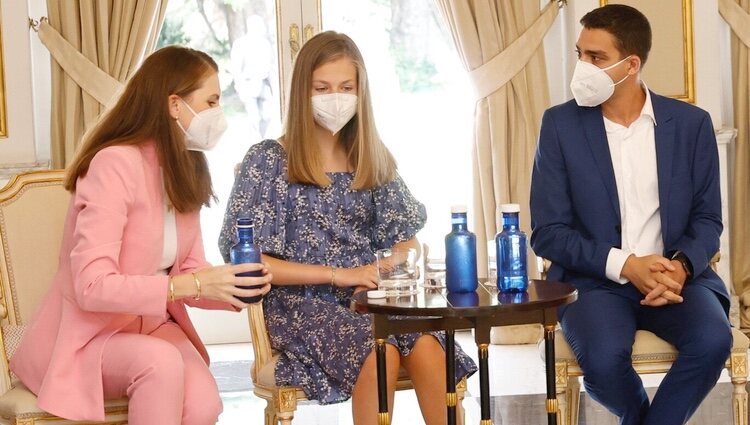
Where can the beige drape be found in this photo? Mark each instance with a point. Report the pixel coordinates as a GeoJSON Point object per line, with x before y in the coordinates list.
{"type": "Point", "coordinates": [737, 15]}
{"type": "Point", "coordinates": [111, 35]}
{"type": "Point", "coordinates": [499, 42]}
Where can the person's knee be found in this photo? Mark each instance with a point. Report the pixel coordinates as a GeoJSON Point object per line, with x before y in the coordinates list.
{"type": "Point", "coordinates": [426, 349]}
{"type": "Point", "coordinates": [202, 406]}
{"type": "Point", "coordinates": [712, 347]}
{"type": "Point", "coordinates": [606, 368]}
{"type": "Point", "coordinates": [163, 366]}
{"type": "Point", "coordinates": [392, 361]}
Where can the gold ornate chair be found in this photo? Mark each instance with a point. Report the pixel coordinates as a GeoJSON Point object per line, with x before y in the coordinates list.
{"type": "Point", "coordinates": [651, 354]}
{"type": "Point", "coordinates": [282, 401]}
{"type": "Point", "coordinates": [33, 206]}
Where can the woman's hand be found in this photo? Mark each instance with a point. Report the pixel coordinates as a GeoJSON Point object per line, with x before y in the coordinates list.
{"type": "Point", "coordinates": [221, 283]}
{"type": "Point", "coordinates": [362, 276]}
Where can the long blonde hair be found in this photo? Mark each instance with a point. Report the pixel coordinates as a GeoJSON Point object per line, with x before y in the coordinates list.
{"type": "Point", "coordinates": [371, 160]}
{"type": "Point", "coordinates": [142, 114]}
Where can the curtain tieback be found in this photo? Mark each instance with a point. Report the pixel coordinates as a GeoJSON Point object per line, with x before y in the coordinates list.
{"type": "Point", "coordinates": [496, 72]}
{"type": "Point", "coordinates": [737, 18]}
{"type": "Point", "coordinates": [100, 85]}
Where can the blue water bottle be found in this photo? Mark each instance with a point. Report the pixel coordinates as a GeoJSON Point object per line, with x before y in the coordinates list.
{"type": "Point", "coordinates": [245, 251]}
{"type": "Point", "coordinates": [511, 252]}
{"type": "Point", "coordinates": [460, 254]}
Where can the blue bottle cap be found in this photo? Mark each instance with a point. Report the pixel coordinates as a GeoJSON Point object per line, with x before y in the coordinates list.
{"type": "Point", "coordinates": [244, 222]}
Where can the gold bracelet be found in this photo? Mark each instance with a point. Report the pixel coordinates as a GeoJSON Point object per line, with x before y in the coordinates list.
{"type": "Point", "coordinates": [333, 275]}
{"type": "Point", "coordinates": [197, 287]}
{"type": "Point", "coordinates": [171, 289]}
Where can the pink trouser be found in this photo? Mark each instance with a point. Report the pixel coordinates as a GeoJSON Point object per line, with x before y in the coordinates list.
{"type": "Point", "coordinates": [165, 379]}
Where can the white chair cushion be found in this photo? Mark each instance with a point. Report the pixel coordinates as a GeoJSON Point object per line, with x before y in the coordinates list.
{"type": "Point", "coordinates": [647, 345]}
{"type": "Point", "coordinates": [267, 375]}
{"type": "Point", "coordinates": [12, 335]}
{"type": "Point", "coordinates": [516, 334]}
{"type": "Point", "coordinates": [21, 403]}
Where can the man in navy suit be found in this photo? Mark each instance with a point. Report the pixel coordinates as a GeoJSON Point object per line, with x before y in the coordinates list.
{"type": "Point", "coordinates": [625, 202]}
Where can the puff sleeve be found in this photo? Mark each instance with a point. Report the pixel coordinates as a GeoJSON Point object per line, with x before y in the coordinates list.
{"type": "Point", "coordinates": [398, 215]}
{"type": "Point", "coordinates": [259, 193]}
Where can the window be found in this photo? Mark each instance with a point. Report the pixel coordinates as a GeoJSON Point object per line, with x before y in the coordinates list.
{"type": "Point", "coordinates": [421, 96]}
{"type": "Point", "coordinates": [241, 37]}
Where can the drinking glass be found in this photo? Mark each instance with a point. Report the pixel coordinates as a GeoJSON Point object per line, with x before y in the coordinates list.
{"type": "Point", "coordinates": [397, 271]}
{"type": "Point", "coordinates": [434, 272]}
{"type": "Point", "coordinates": [491, 263]}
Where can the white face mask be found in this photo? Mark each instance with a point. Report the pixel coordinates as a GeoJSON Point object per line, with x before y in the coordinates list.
{"type": "Point", "coordinates": [334, 110]}
{"type": "Point", "coordinates": [591, 86]}
{"type": "Point", "coordinates": [205, 130]}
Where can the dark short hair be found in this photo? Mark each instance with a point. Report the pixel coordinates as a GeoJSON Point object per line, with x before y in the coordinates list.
{"type": "Point", "coordinates": [630, 28]}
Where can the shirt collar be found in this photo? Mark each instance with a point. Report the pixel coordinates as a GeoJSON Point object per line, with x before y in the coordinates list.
{"type": "Point", "coordinates": [647, 110]}
{"type": "Point", "coordinates": [648, 107]}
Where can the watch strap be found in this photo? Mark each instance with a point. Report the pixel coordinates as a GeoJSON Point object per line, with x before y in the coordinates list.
{"type": "Point", "coordinates": [684, 261]}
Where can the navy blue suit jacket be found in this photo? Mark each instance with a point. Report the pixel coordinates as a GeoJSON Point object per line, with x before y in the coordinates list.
{"type": "Point", "coordinates": [575, 213]}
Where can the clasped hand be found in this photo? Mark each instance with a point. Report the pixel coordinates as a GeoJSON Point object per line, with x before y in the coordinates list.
{"type": "Point", "coordinates": [657, 278]}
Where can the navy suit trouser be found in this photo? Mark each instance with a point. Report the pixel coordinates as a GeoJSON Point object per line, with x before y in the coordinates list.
{"type": "Point", "coordinates": [600, 328]}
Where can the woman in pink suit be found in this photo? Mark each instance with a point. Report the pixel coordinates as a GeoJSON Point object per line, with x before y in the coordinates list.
{"type": "Point", "coordinates": [114, 322]}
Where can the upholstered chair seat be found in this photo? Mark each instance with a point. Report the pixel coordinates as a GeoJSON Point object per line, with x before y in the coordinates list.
{"type": "Point", "coordinates": [19, 405]}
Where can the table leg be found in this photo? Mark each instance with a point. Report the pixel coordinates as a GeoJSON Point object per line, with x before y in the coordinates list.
{"type": "Point", "coordinates": [383, 415]}
{"type": "Point", "coordinates": [484, 385]}
{"type": "Point", "coordinates": [451, 398]}
{"type": "Point", "coordinates": [549, 357]}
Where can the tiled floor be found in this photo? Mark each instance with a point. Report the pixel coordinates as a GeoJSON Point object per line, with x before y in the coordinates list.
{"type": "Point", "coordinates": [517, 387]}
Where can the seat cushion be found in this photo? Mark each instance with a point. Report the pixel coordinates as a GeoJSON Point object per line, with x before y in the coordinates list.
{"type": "Point", "coordinates": [19, 402]}
{"type": "Point", "coordinates": [267, 375]}
{"type": "Point", "coordinates": [12, 335]}
{"type": "Point", "coordinates": [516, 334]}
{"type": "Point", "coordinates": [646, 345]}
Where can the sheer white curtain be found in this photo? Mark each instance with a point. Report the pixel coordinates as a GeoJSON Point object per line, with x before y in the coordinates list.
{"type": "Point", "coordinates": [96, 45]}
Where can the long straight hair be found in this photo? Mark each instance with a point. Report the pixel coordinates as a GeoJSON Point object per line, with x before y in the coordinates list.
{"type": "Point", "coordinates": [142, 114]}
{"type": "Point", "coordinates": [370, 159]}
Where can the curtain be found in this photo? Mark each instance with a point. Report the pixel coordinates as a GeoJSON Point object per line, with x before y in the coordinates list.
{"type": "Point", "coordinates": [737, 15]}
{"type": "Point", "coordinates": [96, 45]}
{"type": "Point", "coordinates": [500, 45]}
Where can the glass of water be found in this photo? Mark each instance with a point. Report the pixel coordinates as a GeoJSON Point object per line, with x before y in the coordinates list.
{"type": "Point", "coordinates": [397, 271]}
{"type": "Point", "coordinates": [491, 263]}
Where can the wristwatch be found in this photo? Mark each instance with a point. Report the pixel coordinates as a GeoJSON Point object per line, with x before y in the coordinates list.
{"type": "Point", "coordinates": [685, 261]}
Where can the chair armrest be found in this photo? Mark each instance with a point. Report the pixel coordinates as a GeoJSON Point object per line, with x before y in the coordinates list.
{"type": "Point", "coordinates": [542, 266]}
{"type": "Point", "coordinates": [260, 339]}
{"type": "Point", "coordinates": [713, 262]}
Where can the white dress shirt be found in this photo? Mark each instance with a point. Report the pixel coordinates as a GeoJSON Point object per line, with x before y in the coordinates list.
{"type": "Point", "coordinates": [169, 251]}
{"type": "Point", "coordinates": [633, 152]}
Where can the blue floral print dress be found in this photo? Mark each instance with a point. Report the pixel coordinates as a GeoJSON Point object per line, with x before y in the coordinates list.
{"type": "Point", "coordinates": [323, 343]}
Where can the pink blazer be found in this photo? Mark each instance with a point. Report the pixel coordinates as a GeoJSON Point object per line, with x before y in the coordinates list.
{"type": "Point", "coordinates": [111, 248]}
